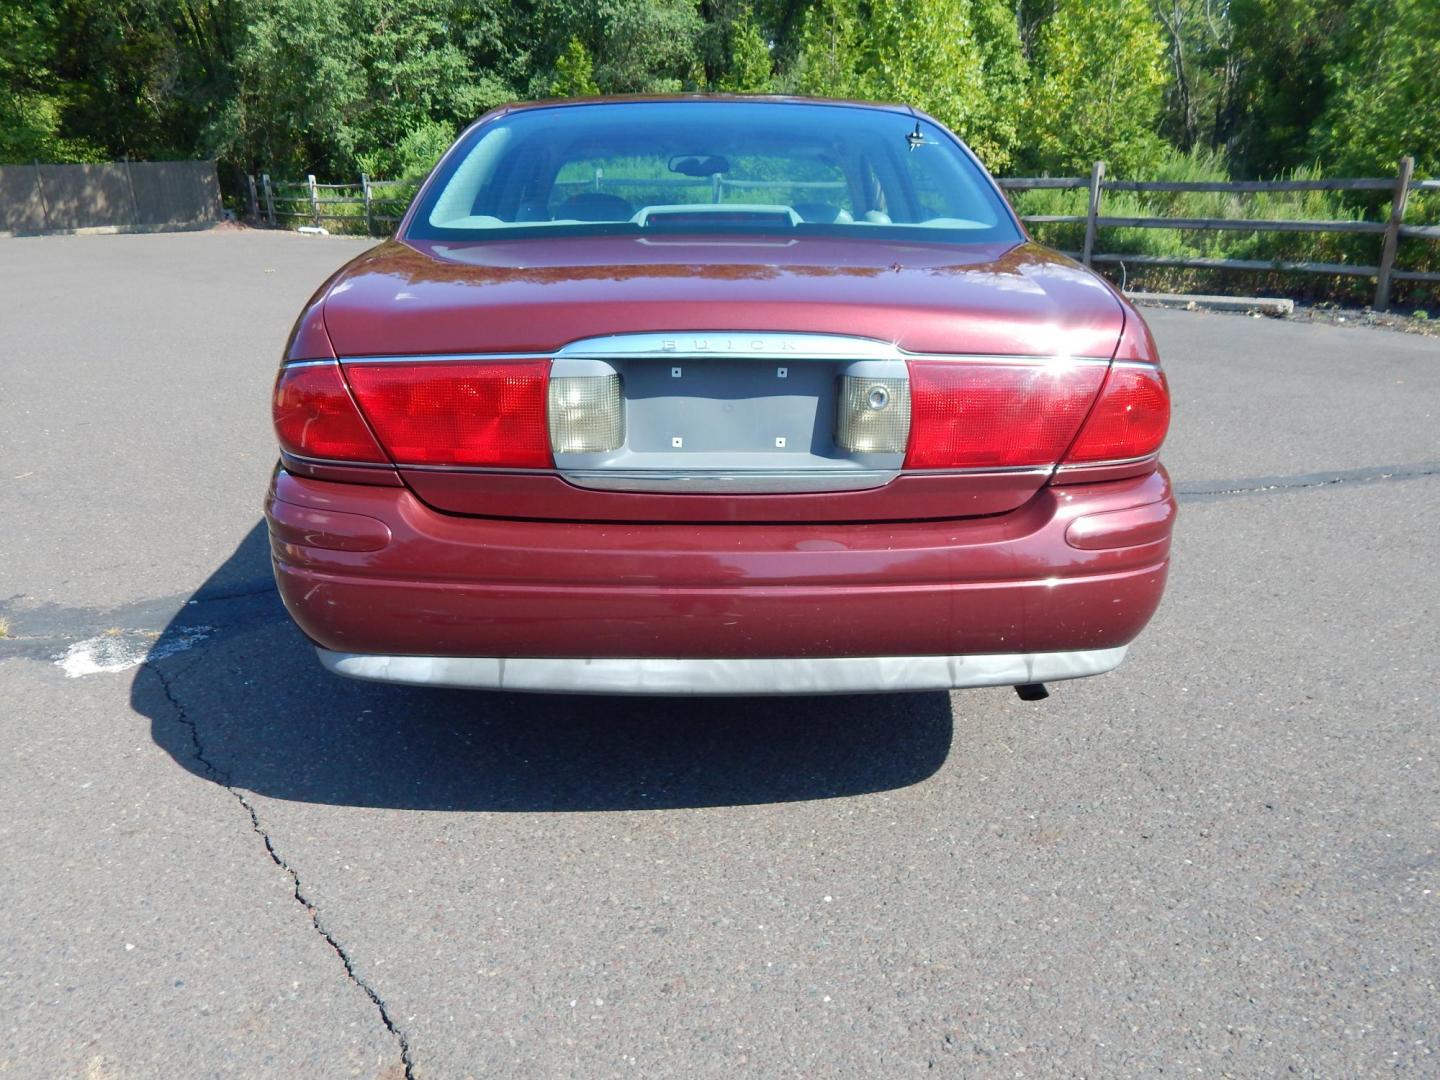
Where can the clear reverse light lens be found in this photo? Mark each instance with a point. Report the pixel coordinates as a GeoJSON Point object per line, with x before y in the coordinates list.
{"type": "Point", "coordinates": [587, 415]}
{"type": "Point", "coordinates": [874, 415]}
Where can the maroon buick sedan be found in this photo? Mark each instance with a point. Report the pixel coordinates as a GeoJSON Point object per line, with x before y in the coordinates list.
{"type": "Point", "coordinates": [718, 396]}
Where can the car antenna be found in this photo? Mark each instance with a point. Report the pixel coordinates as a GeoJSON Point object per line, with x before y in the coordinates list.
{"type": "Point", "coordinates": [915, 138]}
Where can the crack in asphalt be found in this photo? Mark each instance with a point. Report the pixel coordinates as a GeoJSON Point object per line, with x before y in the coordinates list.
{"type": "Point", "coordinates": [1265, 485]}
{"type": "Point", "coordinates": [263, 589]}
{"type": "Point", "coordinates": [222, 778]}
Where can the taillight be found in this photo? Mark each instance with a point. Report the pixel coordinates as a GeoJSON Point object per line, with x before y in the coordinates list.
{"type": "Point", "coordinates": [968, 415]}
{"type": "Point", "coordinates": [1129, 420]}
{"type": "Point", "coordinates": [315, 417]}
{"type": "Point", "coordinates": [445, 413]}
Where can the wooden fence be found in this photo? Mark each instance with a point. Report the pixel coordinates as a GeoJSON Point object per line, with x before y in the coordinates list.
{"type": "Point", "coordinates": [384, 202]}
{"type": "Point", "coordinates": [1391, 231]}
{"type": "Point", "coordinates": [281, 202]}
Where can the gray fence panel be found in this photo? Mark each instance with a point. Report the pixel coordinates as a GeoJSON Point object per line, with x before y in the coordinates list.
{"type": "Point", "coordinates": [22, 210]}
{"type": "Point", "coordinates": [40, 198]}
{"type": "Point", "coordinates": [176, 192]}
{"type": "Point", "coordinates": [86, 196]}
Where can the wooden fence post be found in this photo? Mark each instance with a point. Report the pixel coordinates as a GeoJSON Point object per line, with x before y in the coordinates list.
{"type": "Point", "coordinates": [1392, 233]}
{"type": "Point", "coordinates": [1097, 177]}
{"type": "Point", "coordinates": [314, 200]}
{"type": "Point", "coordinates": [269, 198]}
{"type": "Point", "coordinates": [254, 200]}
{"type": "Point", "coordinates": [369, 208]}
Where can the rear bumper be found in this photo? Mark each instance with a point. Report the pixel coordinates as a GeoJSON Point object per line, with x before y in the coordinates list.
{"type": "Point", "coordinates": [718, 676]}
{"type": "Point", "coordinates": [391, 589]}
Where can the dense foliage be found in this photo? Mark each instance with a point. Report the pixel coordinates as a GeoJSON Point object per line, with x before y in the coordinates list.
{"type": "Point", "coordinates": [336, 86]}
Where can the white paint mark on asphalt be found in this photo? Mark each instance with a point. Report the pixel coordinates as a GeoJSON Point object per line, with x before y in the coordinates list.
{"type": "Point", "coordinates": [120, 650]}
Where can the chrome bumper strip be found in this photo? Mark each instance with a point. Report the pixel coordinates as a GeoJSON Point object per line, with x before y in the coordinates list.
{"type": "Point", "coordinates": [721, 676]}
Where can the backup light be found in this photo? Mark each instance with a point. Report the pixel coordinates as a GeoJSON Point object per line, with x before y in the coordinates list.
{"type": "Point", "coordinates": [586, 414]}
{"type": "Point", "coordinates": [873, 415]}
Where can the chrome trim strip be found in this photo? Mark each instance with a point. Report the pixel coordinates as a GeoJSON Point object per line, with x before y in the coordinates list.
{"type": "Point", "coordinates": [1150, 459]}
{"type": "Point", "coordinates": [1037, 470]}
{"type": "Point", "coordinates": [758, 482]}
{"type": "Point", "coordinates": [450, 358]}
{"type": "Point", "coordinates": [763, 345]}
{"type": "Point", "coordinates": [724, 676]}
{"type": "Point", "coordinates": [287, 455]}
{"type": "Point", "coordinates": [447, 358]}
{"type": "Point", "coordinates": [829, 475]}
{"type": "Point", "coordinates": [499, 470]}
{"type": "Point", "coordinates": [986, 470]}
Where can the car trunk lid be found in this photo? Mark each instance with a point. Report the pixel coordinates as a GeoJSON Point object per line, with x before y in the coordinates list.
{"type": "Point", "coordinates": [733, 359]}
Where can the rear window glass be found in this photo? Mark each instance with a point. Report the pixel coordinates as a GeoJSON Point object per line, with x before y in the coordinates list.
{"type": "Point", "coordinates": [702, 167]}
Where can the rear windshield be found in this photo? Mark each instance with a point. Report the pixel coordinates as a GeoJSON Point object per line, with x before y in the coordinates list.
{"type": "Point", "coordinates": [711, 167]}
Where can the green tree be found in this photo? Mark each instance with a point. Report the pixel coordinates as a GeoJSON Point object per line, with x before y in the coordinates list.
{"type": "Point", "coordinates": [297, 89]}
{"type": "Point", "coordinates": [647, 46]}
{"type": "Point", "coordinates": [751, 69]}
{"type": "Point", "coordinates": [1204, 69]}
{"type": "Point", "coordinates": [413, 157]}
{"type": "Point", "coordinates": [1097, 88]}
{"type": "Point", "coordinates": [925, 53]}
{"type": "Point", "coordinates": [958, 60]}
{"type": "Point", "coordinates": [636, 46]}
{"type": "Point", "coordinates": [93, 79]}
{"type": "Point", "coordinates": [336, 86]}
{"type": "Point", "coordinates": [574, 72]}
{"type": "Point", "coordinates": [994, 126]}
{"type": "Point", "coordinates": [831, 55]}
{"type": "Point", "coordinates": [29, 104]}
{"type": "Point", "coordinates": [1386, 100]}
{"type": "Point", "coordinates": [1283, 50]}
{"type": "Point", "coordinates": [418, 82]}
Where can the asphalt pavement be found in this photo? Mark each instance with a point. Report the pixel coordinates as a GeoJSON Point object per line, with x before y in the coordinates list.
{"type": "Point", "coordinates": [217, 860]}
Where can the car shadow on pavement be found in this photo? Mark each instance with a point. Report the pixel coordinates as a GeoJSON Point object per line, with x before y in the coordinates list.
{"type": "Point", "coordinates": [250, 706]}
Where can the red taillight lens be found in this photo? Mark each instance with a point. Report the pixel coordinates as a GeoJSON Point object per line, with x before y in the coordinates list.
{"type": "Point", "coordinates": [970, 416]}
{"type": "Point", "coordinates": [1129, 420]}
{"type": "Point", "coordinates": [457, 413]}
{"type": "Point", "coordinates": [314, 416]}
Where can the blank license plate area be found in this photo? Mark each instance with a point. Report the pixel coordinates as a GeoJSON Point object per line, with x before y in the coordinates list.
{"type": "Point", "coordinates": [721, 408]}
